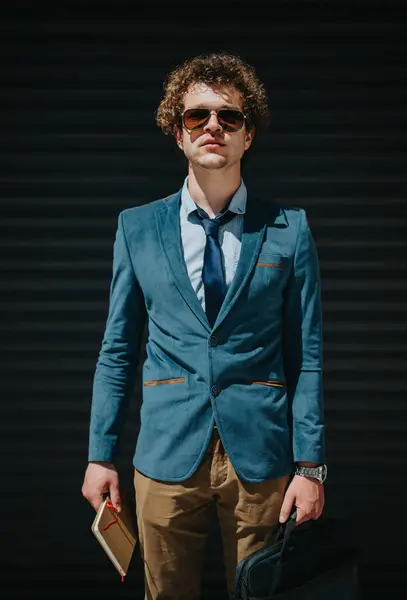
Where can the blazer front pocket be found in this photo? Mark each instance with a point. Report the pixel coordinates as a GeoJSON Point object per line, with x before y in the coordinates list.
{"type": "Point", "coordinates": [164, 381]}
{"type": "Point", "coordinates": [279, 383]}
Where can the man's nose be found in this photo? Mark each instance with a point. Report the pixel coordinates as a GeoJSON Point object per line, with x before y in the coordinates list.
{"type": "Point", "coordinates": [213, 123]}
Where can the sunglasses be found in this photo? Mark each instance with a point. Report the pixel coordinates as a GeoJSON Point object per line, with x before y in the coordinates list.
{"type": "Point", "coordinates": [230, 119]}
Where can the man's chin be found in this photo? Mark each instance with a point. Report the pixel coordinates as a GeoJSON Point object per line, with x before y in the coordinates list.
{"type": "Point", "coordinates": [211, 162]}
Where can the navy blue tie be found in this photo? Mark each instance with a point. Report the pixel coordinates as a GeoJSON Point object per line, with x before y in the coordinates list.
{"type": "Point", "coordinates": [213, 275]}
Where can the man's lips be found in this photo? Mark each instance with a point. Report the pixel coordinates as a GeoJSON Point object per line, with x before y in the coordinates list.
{"type": "Point", "coordinates": [212, 143]}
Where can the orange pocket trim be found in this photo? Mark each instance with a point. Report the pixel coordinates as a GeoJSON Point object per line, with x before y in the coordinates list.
{"type": "Point", "coordinates": [272, 265]}
{"type": "Point", "coordinates": [270, 382]}
{"type": "Point", "coordinates": [164, 381]}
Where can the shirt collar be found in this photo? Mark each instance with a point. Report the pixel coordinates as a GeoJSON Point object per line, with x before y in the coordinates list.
{"type": "Point", "coordinates": [237, 204]}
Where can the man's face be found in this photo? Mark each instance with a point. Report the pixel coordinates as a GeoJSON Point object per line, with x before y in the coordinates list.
{"type": "Point", "coordinates": [195, 145]}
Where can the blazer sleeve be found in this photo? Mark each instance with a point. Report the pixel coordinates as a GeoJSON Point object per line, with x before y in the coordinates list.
{"type": "Point", "coordinates": [302, 343]}
{"type": "Point", "coordinates": [118, 358]}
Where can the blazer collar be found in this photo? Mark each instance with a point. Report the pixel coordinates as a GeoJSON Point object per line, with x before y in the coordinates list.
{"type": "Point", "coordinates": [236, 205]}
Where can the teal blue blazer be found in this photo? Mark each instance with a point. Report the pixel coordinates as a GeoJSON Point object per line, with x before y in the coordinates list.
{"type": "Point", "coordinates": [257, 373]}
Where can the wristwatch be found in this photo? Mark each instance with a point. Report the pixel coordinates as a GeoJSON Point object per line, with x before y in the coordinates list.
{"type": "Point", "coordinates": [319, 472]}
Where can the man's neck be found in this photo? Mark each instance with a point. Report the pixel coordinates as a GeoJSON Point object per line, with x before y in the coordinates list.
{"type": "Point", "coordinates": [213, 190]}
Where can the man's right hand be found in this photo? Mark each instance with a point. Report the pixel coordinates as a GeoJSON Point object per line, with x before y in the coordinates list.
{"type": "Point", "coordinates": [101, 477]}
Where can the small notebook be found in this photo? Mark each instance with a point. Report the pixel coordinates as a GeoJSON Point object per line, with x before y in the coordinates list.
{"type": "Point", "coordinates": [117, 537]}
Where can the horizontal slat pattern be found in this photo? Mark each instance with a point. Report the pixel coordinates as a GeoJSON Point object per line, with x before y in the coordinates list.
{"type": "Point", "coordinates": [78, 143]}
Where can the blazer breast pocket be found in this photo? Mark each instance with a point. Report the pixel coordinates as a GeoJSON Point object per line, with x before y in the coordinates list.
{"type": "Point", "coordinates": [269, 279]}
{"type": "Point", "coordinates": [272, 261]}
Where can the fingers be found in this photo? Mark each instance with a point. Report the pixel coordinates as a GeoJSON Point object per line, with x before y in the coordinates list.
{"type": "Point", "coordinates": [114, 493]}
{"type": "Point", "coordinates": [302, 515]}
{"type": "Point", "coordinates": [100, 479]}
{"type": "Point", "coordinates": [308, 497]}
{"type": "Point", "coordinates": [305, 511]}
{"type": "Point", "coordinates": [286, 507]}
{"type": "Point", "coordinates": [93, 495]}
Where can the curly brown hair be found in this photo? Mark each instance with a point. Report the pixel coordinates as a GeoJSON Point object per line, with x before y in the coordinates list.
{"type": "Point", "coordinates": [217, 70]}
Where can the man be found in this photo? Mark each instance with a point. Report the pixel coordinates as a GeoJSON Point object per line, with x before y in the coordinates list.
{"type": "Point", "coordinates": [232, 394]}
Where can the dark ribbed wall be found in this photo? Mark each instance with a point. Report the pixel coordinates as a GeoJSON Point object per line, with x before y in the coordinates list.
{"type": "Point", "coordinates": [79, 144]}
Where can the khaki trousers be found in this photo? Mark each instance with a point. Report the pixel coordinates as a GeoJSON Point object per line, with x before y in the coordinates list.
{"type": "Point", "coordinates": [174, 521]}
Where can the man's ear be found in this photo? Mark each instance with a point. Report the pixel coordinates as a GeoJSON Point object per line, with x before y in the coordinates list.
{"type": "Point", "coordinates": [178, 136]}
{"type": "Point", "coordinates": [249, 138]}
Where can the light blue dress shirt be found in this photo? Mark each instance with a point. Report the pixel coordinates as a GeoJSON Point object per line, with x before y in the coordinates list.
{"type": "Point", "coordinates": [193, 238]}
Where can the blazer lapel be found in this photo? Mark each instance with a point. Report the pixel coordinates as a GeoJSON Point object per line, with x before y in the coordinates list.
{"type": "Point", "coordinates": [258, 216]}
{"type": "Point", "coordinates": [169, 232]}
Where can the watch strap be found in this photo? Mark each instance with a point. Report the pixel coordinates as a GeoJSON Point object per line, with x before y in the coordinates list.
{"type": "Point", "coordinates": [319, 472]}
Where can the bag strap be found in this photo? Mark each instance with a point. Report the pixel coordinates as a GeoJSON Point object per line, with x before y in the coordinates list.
{"type": "Point", "coordinates": [287, 528]}
{"type": "Point", "coordinates": [284, 533]}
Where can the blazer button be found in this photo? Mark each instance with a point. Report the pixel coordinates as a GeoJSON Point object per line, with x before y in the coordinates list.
{"type": "Point", "coordinates": [215, 390]}
{"type": "Point", "coordinates": [213, 340]}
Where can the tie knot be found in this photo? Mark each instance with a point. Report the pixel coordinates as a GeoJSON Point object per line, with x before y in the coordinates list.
{"type": "Point", "coordinates": [211, 227]}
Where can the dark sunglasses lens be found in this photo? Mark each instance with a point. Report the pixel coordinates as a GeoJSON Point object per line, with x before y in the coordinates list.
{"type": "Point", "coordinates": [195, 118]}
{"type": "Point", "coordinates": [231, 120]}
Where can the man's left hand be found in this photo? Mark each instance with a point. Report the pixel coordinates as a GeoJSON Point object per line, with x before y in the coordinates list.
{"type": "Point", "coordinates": [307, 494]}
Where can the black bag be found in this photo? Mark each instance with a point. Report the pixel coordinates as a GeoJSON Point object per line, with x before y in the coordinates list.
{"type": "Point", "coordinates": [316, 560]}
